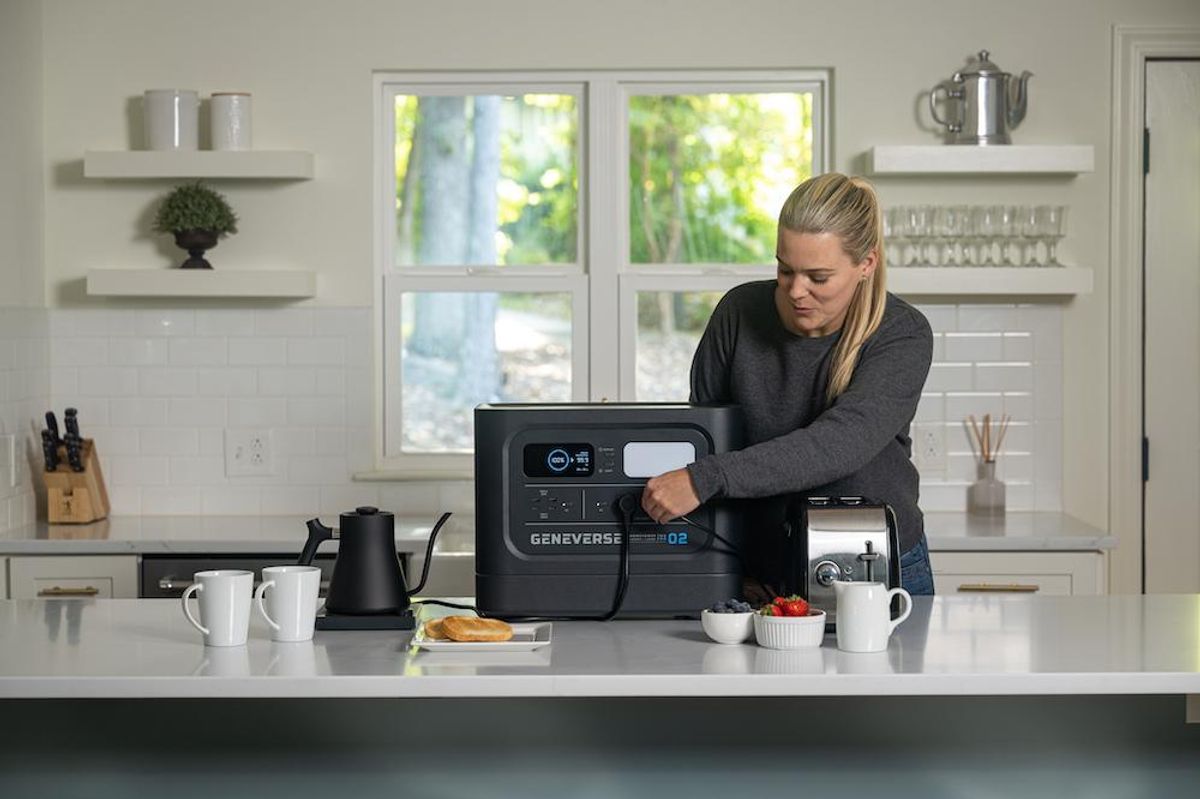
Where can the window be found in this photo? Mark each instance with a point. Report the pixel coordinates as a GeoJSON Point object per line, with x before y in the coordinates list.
{"type": "Point", "coordinates": [548, 237]}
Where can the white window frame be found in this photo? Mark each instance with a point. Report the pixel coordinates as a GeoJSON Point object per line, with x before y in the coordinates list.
{"type": "Point", "coordinates": [602, 283]}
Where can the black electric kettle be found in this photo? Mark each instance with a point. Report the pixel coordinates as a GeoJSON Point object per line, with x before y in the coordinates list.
{"type": "Point", "coordinates": [367, 589]}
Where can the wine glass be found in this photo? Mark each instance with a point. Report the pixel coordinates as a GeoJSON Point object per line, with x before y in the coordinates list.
{"type": "Point", "coordinates": [1026, 226]}
{"type": "Point", "coordinates": [1051, 226]}
{"type": "Point", "coordinates": [918, 232]}
{"type": "Point", "coordinates": [893, 236]}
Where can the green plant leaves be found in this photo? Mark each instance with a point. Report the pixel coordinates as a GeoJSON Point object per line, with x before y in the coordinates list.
{"type": "Point", "coordinates": [194, 206]}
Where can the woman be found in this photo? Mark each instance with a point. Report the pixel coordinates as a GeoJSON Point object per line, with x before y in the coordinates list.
{"type": "Point", "coordinates": [828, 369]}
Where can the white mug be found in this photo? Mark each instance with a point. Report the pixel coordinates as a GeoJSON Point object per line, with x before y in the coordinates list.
{"type": "Point", "coordinates": [292, 601]}
{"type": "Point", "coordinates": [864, 615]}
{"type": "Point", "coordinates": [224, 596]}
{"type": "Point", "coordinates": [171, 119]}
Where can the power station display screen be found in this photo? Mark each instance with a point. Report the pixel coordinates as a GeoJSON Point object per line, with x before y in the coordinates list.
{"type": "Point", "coordinates": [559, 460]}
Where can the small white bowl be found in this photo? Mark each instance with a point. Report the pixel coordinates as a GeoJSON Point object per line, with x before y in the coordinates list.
{"type": "Point", "coordinates": [790, 632]}
{"type": "Point", "coordinates": [727, 628]}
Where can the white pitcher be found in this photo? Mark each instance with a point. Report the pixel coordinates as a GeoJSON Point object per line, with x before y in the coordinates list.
{"type": "Point", "coordinates": [864, 615]}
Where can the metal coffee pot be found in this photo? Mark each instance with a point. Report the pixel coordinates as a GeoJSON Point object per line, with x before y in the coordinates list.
{"type": "Point", "coordinates": [984, 102]}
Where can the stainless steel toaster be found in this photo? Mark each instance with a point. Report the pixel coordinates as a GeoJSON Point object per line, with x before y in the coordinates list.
{"type": "Point", "coordinates": [840, 538]}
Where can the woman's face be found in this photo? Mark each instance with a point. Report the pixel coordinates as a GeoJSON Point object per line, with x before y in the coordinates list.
{"type": "Point", "coordinates": [816, 281]}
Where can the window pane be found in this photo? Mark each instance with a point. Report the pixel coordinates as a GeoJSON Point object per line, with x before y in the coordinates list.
{"type": "Point", "coordinates": [486, 179]}
{"type": "Point", "coordinates": [461, 349]}
{"type": "Point", "coordinates": [669, 328]}
{"type": "Point", "coordinates": [709, 172]}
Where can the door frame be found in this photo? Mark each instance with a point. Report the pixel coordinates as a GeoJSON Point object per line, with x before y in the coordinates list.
{"type": "Point", "coordinates": [1132, 47]}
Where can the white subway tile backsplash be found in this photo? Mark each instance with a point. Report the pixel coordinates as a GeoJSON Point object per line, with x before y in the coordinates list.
{"type": "Point", "coordinates": [160, 381]}
{"type": "Point", "coordinates": [227, 381]}
{"type": "Point", "coordinates": [316, 351]}
{"type": "Point", "coordinates": [135, 412]}
{"type": "Point", "coordinates": [224, 322]}
{"type": "Point", "coordinates": [930, 408]}
{"type": "Point", "coordinates": [171, 501]}
{"type": "Point", "coordinates": [317, 470]}
{"type": "Point", "coordinates": [941, 317]}
{"type": "Point", "coordinates": [230, 501]}
{"type": "Point", "coordinates": [135, 351]}
{"type": "Point", "coordinates": [166, 323]}
{"type": "Point", "coordinates": [316, 412]}
{"type": "Point", "coordinates": [292, 441]}
{"type": "Point", "coordinates": [170, 441]}
{"type": "Point", "coordinates": [288, 381]}
{"type": "Point", "coordinates": [331, 441]}
{"type": "Point", "coordinates": [78, 351]}
{"type": "Point", "coordinates": [117, 440]}
{"type": "Point", "coordinates": [201, 470]}
{"type": "Point", "coordinates": [1019, 405]}
{"type": "Point", "coordinates": [136, 470]}
{"type": "Point", "coordinates": [950, 377]}
{"type": "Point", "coordinates": [1048, 397]}
{"type": "Point", "coordinates": [284, 322]}
{"type": "Point", "coordinates": [974, 346]}
{"type": "Point", "coordinates": [212, 441]}
{"type": "Point", "coordinates": [108, 381]}
{"type": "Point", "coordinates": [258, 351]}
{"type": "Point", "coordinates": [1004, 376]}
{"type": "Point", "coordinates": [960, 405]}
{"type": "Point", "coordinates": [192, 412]}
{"type": "Point", "coordinates": [291, 501]}
{"type": "Point", "coordinates": [257, 411]}
{"type": "Point", "coordinates": [197, 351]}
{"type": "Point", "coordinates": [1017, 347]}
{"type": "Point", "coordinates": [988, 318]}
{"type": "Point", "coordinates": [341, 498]}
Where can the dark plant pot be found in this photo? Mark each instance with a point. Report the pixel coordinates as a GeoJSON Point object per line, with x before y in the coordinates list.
{"type": "Point", "coordinates": [195, 242]}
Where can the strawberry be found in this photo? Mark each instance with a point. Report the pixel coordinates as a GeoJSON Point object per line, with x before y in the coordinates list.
{"type": "Point", "coordinates": [770, 610]}
{"type": "Point", "coordinates": [794, 606]}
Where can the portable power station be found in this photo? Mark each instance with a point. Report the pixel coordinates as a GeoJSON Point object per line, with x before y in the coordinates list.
{"type": "Point", "coordinates": [548, 531]}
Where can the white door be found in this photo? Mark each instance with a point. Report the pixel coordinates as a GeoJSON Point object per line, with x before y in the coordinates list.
{"type": "Point", "coordinates": [1172, 335]}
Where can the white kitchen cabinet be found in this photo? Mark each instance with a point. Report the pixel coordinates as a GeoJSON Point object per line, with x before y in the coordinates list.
{"type": "Point", "coordinates": [81, 577]}
{"type": "Point", "coordinates": [1044, 573]}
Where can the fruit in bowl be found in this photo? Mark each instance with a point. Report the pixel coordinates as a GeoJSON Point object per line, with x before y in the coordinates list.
{"type": "Point", "coordinates": [728, 622]}
{"type": "Point", "coordinates": [789, 623]}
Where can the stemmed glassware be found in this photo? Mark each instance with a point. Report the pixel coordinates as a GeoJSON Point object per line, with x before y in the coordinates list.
{"type": "Point", "coordinates": [973, 235]}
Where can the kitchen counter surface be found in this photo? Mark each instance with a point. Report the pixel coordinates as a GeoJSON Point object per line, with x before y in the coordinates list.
{"type": "Point", "coordinates": [946, 531]}
{"type": "Point", "coordinates": [950, 646]}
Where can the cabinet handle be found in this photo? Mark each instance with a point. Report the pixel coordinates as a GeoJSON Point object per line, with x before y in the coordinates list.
{"type": "Point", "coordinates": [1009, 588]}
{"type": "Point", "coordinates": [59, 591]}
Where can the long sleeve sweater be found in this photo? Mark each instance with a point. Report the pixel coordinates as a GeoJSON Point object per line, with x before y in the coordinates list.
{"type": "Point", "coordinates": [798, 444]}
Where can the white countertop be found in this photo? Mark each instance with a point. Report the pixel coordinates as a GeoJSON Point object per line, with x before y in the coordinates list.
{"type": "Point", "coordinates": [946, 531]}
{"type": "Point", "coordinates": [950, 646]}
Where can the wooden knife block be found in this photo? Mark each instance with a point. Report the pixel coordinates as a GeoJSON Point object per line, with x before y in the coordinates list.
{"type": "Point", "coordinates": [76, 497]}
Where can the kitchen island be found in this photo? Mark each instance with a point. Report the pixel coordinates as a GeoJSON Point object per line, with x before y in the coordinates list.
{"type": "Point", "coordinates": [1087, 694]}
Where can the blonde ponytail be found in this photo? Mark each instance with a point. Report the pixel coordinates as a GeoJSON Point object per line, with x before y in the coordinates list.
{"type": "Point", "coordinates": [849, 208]}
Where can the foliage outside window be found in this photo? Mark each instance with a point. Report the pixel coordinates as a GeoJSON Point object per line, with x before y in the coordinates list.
{"type": "Point", "coordinates": [498, 258]}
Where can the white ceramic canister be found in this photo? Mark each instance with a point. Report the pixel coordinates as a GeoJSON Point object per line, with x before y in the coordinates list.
{"type": "Point", "coordinates": [170, 118]}
{"type": "Point", "coordinates": [229, 116]}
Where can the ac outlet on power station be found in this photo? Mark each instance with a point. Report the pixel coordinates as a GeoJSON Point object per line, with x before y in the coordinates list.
{"type": "Point", "coordinates": [248, 452]}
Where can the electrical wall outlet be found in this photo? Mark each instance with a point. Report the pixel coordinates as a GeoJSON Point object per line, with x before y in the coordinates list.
{"type": "Point", "coordinates": [929, 447]}
{"type": "Point", "coordinates": [248, 452]}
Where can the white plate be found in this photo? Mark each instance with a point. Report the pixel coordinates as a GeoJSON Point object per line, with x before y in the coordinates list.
{"type": "Point", "coordinates": [526, 637]}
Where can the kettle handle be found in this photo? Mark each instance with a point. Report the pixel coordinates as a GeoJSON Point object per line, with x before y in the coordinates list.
{"type": "Point", "coordinates": [952, 93]}
{"type": "Point", "coordinates": [317, 533]}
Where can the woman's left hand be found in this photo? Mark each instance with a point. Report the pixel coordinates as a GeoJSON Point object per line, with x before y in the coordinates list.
{"type": "Point", "coordinates": [669, 496]}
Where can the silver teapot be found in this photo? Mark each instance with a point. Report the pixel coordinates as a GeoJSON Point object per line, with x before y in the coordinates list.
{"type": "Point", "coordinates": [985, 103]}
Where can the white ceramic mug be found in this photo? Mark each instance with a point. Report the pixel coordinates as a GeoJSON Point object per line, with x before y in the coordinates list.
{"type": "Point", "coordinates": [292, 601]}
{"type": "Point", "coordinates": [864, 615]}
{"type": "Point", "coordinates": [224, 596]}
{"type": "Point", "coordinates": [171, 119]}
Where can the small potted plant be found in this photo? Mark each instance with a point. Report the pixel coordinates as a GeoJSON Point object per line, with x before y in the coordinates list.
{"type": "Point", "coordinates": [198, 217]}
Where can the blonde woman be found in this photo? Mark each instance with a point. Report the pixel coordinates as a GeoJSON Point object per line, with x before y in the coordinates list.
{"type": "Point", "coordinates": [827, 367]}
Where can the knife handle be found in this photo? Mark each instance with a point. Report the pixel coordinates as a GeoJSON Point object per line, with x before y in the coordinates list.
{"type": "Point", "coordinates": [52, 425]}
{"type": "Point", "coordinates": [50, 450]}
{"type": "Point", "coordinates": [72, 422]}
{"type": "Point", "coordinates": [73, 458]}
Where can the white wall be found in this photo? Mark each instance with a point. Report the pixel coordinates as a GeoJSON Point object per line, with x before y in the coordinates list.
{"type": "Point", "coordinates": [24, 367]}
{"type": "Point", "coordinates": [309, 66]}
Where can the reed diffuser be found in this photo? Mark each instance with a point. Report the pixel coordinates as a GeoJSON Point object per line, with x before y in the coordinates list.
{"type": "Point", "coordinates": [986, 494]}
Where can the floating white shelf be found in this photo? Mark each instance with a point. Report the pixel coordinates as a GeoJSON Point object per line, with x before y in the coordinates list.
{"type": "Point", "coordinates": [951, 159]}
{"type": "Point", "coordinates": [983, 280]}
{"type": "Point", "coordinates": [278, 164]}
{"type": "Point", "coordinates": [259, 283]}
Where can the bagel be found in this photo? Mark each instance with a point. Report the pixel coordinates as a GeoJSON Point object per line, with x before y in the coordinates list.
{"type": "Point", "coordinates": [434, 631]}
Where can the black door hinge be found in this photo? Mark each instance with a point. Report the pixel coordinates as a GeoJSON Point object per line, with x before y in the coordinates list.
{"type": "Point", "coordinates": [1145, 459]}
{"type": "Point", "coordinates": [1145, 151]}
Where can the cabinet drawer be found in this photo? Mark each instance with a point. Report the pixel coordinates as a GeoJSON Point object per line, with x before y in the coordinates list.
{"type": "Point", "coordinates": [1041, 584]}
{"type": "Point", "coordinates": [84, 577]}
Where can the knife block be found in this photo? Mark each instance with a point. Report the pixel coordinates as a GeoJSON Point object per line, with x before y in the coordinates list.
{"type": "Point", "coordinates": [76, 497]}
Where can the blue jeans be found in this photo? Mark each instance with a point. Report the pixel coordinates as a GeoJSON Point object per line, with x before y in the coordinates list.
{"type": "Point", "coordinates": [916, 575]}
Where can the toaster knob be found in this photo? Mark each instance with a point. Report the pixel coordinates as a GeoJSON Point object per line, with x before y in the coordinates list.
{"type": "Point", "coordinates": [827, 572]}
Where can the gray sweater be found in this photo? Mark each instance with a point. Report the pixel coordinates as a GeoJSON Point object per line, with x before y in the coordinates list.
{"type": "Point", "coordinates": [857, 446]}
